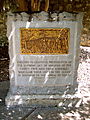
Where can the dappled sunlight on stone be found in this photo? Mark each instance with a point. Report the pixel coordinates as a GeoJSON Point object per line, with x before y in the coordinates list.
{"type": "Point", "coordinates": [9, 113]}
{"type": "Point", "coordinates": [40, 117]}
{"type": "Point", "coordinates": [60, 104]}
{"type": "Point", "coordinates": [0, 100]}
{"type": "Point", "coordinates": [51, 96]}
{"type": "Point", "coordinates": [78, 103]}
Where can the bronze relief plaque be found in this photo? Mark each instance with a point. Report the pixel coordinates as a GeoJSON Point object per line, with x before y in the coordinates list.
{"type": "Point", "coordinates": [45, 40]}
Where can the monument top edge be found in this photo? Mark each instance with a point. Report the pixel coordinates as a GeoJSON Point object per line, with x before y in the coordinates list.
{"type": "Point", "coordinates": [45, 16]}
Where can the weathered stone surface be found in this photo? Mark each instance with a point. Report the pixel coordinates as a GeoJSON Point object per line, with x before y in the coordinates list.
{"type": "Point", "coordinates": [38, 74]}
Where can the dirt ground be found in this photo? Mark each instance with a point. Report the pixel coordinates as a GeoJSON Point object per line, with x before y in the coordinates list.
{"type": "Point", "coordinates": [4, 63]}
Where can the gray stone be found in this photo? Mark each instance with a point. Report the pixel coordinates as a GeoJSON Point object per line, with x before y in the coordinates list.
{"type": "Point", "coordinates": [58, 80]}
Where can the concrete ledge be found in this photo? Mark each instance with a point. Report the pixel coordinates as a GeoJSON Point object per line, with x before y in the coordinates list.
{"type": "Point", "coordinates": [40, 100]}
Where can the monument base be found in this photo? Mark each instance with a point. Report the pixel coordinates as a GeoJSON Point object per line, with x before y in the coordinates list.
{"type": "Point", "coordinates": [45, 99]}
{"type": "Point", "coordinates": [41, 100]}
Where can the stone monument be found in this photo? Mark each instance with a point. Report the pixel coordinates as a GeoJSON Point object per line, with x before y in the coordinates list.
{"type": "Point", "coordinates": [44, 57]}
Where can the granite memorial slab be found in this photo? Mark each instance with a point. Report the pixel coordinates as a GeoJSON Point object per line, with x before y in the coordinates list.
{"type": "Point", "coordinates": [44, 57]}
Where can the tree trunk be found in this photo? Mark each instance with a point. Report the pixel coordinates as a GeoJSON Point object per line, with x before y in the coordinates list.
{"type": "Point", "coordinates": [23, 5]}
{"type": "Point", "coordinates": [35, 5]}
{"type": "Point", "coordinates": [1, 4]}
{"type": "Point", "coordinates": [46, 5]}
